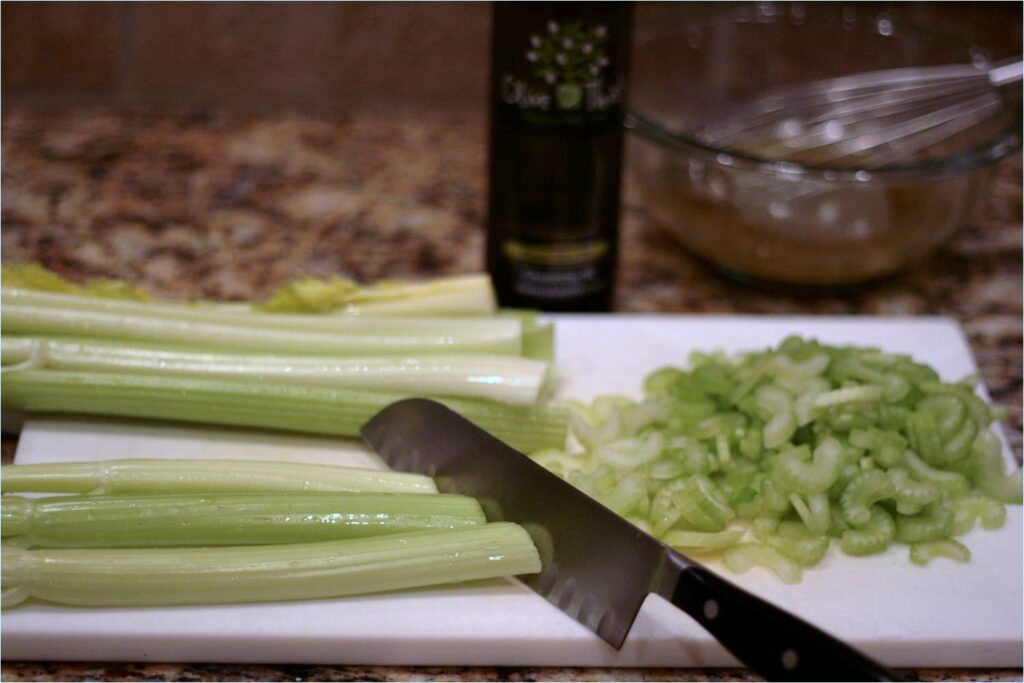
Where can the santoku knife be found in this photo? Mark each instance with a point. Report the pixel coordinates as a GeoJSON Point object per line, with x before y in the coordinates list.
{"type": "Point", "coordinates": [597, 567]}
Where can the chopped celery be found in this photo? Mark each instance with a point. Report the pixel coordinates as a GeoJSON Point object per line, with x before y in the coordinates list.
{"type": "Point", "coordinates": [315, 410]}
{"type": "Point", "coordinates": [204, 476]}
{"type": "Point", "coordinates": [297, 571]}
{"type": "Point", "coordinates": [157, 520]}
{"type": "Point", "coordinates": [844, 443]}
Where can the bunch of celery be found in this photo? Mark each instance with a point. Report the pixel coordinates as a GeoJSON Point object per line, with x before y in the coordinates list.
{"type": "Point", "coordinates": [770, 457]}
{"type": "Point", "coordinates": [319, 356]}
{"type": "Point", "coordinates": [266, 531]}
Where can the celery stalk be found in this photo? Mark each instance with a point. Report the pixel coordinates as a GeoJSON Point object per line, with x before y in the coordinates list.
{"type": "Point", "coordinates": [315, 410]}
{"type": "Point", "coordinates": [169, 576]}
{"type": "Point", "coordinates": [507, 379]}
{"type": "Point", "coordinates": [199, 327]}
{"type": "Point", "coordinates": [234, 314]}
{"type": "Point", "coordinates": [470, 294]}
{"type": "Point", "coordinates": [204, 476]}
{"type": "Point", "coordinates": [154, 520]}
{"type": "Point", "coordinates": [463, 294]}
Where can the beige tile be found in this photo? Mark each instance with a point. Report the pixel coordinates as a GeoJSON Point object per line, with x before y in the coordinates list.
{"type": "Point", "coordinates": [230, 54]}
{"type": "Point", "coordinates": [336, 57]}
{"type": "Point", "coordinates": [60, 46]}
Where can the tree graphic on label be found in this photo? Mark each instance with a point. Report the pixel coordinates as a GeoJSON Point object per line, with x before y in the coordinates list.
{"type": "Point", "coordinates": [567, 58]}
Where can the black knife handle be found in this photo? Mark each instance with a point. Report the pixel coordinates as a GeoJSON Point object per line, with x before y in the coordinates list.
{"type": "Point", "coordinates": [771, 641]}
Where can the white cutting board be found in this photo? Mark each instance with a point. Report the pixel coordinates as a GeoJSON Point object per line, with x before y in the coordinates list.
{"type": "Point", "coordinates": [944, 615]}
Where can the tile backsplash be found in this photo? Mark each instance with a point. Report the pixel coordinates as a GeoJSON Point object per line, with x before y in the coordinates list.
{"type": "Point", "coordinates": [430, 57]}
{"type": "Point", "coordinates": [336, 57]}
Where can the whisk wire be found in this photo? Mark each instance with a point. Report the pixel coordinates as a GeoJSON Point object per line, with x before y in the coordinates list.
{"type": "Point", "coordinates": [874, 118]}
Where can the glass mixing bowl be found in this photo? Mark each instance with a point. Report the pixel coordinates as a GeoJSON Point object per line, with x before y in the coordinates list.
{"type": "Point", "coordinates": [773, 220]}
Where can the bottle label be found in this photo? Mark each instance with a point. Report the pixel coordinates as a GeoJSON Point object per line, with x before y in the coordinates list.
{"type": "Point", "coordinates": [556, 270]}
{"type": "Point", "coordinates": [569, 64]}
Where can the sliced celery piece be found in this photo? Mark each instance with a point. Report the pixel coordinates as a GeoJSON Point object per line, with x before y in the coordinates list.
{"type": "Point", "coordinates": [745, 556]}
{"type": "Point", "coordinates": [968, 510]}
{"type": "Point", "coordinates": [865, 490]}
{"type": "Point", "coordinates": [701, 540]}
{"type": "Point", "coordinates": [952, 483]}
{"type": "Point", "coordinates": [923, 553]}
{"type": "Point", "coordinates": [873, 537]}
{"type": "Point", "coordinates": [911, 496]}
{"type": "Point", "coordinates": [298, 571]}
{"type": "Point", "coordinates": [814, 477]}
{"type": "Point", "coordinates": [315, 410]}
{"type": "Point", "coordinates": [204, 476]}
{"type": "Point", "coordinates": [161, 520]}
{"type": "Point", "coordinates": [934, 524]}
{"type": "Point", "coordinates": [815, 512]}
{"type": "Point", "coordinates": [777, 405]}
{"type": "Point", "coordinates": [989, 470]}
{"type": "Point", "coordinates": [793, 540]}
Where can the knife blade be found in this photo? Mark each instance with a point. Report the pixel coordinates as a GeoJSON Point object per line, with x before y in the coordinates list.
{"type": "Point", "coordinates": [597, 567]}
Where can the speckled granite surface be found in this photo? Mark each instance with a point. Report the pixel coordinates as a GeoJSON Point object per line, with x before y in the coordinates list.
{"type": "Point", "coordinates": [207, 206]}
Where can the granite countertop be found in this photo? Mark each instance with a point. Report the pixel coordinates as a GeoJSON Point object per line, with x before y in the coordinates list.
{"type": "Point", "coordinates": [209, 206]}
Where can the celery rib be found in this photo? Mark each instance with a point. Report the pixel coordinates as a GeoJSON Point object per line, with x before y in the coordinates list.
{"type": "Point", "coordinates": [300, 571]}
{"type": "Point", "coordinates": [510, 379]}
{"type": "Point", "coordinates": [159, 520]}
{"type": "Point", "coordinates": [315, 410]}
{"type": "Point", "coordinates": [204, 476]}
{"type": "Point", "coordinates": [201, 328]}
{"type": "Point", "coordinates": [464, 294]}
{"type": "Point", "coordinates": [470, 294]}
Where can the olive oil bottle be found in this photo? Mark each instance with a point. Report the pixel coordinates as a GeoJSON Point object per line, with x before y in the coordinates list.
{"type": "Point", "coordinates": [557, 94]}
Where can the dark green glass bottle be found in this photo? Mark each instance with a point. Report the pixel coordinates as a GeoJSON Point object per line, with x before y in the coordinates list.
{"type": "Point", "coordinates": [558, 87]}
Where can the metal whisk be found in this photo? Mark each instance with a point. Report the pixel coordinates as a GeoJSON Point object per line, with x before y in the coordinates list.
{"type": "Point", "coordinates": [867, 120]}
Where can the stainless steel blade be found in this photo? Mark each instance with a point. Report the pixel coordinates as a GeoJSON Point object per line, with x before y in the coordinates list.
{"type": "Point", "coordinates": [598, 568]}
